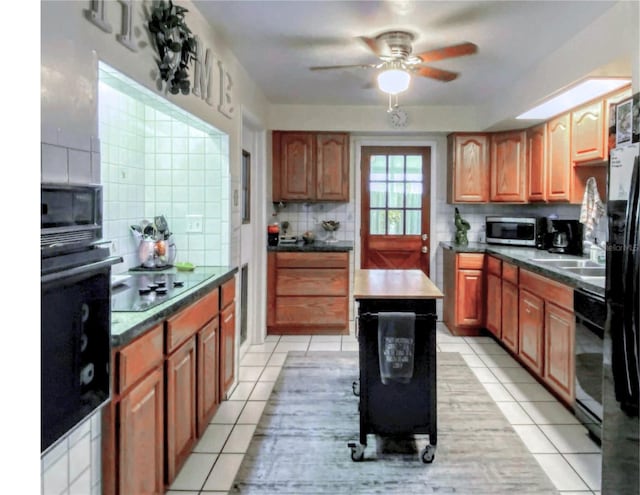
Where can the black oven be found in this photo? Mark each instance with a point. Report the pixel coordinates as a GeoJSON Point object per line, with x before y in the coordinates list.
{"type": "Point", "coordinates": [75, 311]}
{"type": "Point", "coordinates": [591, 313]}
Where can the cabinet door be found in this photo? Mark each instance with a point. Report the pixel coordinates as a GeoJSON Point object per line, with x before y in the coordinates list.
{"type": "Point", "coordinates": [510, 315]}
{"type": "Point", "coordinates": [537, 162]}
{"type": "Point", "coordinates": [559, 365]}
{"type": "Point", "coordinates": [141, 437]}
{"type": "Point", "coordinates": [469, 298]}
{"type": "Point", "coordinates": [332, 167]}
{"type": "Point", "coordinates": [508, 166]}
{"type": "Point", "coordinates": [181, 406]}
{"type": "Point", "coordinates": [227, 348]}
{"type": "Point", "coordinates": [531, 330]}
{"type": "Point", "coordinates": [559, 159]}
{"type": "Point", "coordinates": [468, 168]}
{"type": "Point", "coordinates": [208, 395]}
{"type": "Point", "coordinates": [494, 304]}
{"type": "Point", "coordinates": [588, 132]}
{"type": "Point", "coordinates": [294, 168]}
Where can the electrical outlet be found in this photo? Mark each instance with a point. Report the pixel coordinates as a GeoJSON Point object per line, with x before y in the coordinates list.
{"type": "Point", "coordinates": [194, 223]}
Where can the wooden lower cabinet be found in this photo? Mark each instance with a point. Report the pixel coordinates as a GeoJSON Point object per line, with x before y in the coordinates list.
{"type": "Point", "coordinates": [308, 293]}
{"type": "Point", "coordinates": [510, 312]}
{"type": "Point", "coordinates": [181, 406]}
{"type": "Point", "coordinates": [494, 304]}
{"type": "Point", "coordinates": [531, 330]}
{"type": "Point", "coordinates": [207, 380]}
{"type": "Point", "coordinates": [141, 437]}
{"type": "Point", "coordinates": [166, 388]}
{"type": "Point", "coordinates": [464, 292]}
{"type": "Point", "coordinates": [559, 360]}
{"type": "Point", "coordinates": [227, 348]}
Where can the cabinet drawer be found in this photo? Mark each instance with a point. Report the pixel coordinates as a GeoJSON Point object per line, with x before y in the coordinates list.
{"type": "Point", "coordinates": [510, 273]}
{"type": "Point", "coordinates": [473, 261]}
{"type": "Point", "coordinates": [311, 260]}
{"type": "Point", "coordinates": [138, 358]}
{"type": "Point", "coordinates": [494, 265]}
{"type": "Point", "coordinates": [190, 320]}
{"type": "Point", "coordinates": [315, 282]}
{"type": "Point", "coordinates": [227, 292]}
{"type": "Point", "coordinates": [312, 311]}
{"type": "Point", "coordinates": [550, 290]}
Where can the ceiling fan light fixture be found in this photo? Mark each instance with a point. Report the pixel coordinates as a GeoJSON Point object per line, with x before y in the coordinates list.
{"type": "Point", "coordinates": [393, 81]}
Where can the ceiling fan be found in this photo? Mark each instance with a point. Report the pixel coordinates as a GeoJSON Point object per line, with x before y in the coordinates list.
{"type": "Point", "coordinates": [394, 49]}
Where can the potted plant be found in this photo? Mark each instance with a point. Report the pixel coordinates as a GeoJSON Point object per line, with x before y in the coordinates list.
{"type": "Point", "coordinates": [175, 44]}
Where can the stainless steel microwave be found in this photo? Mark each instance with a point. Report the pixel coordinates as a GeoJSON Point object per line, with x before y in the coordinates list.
{"type": "Point", "coordinates": [513, 231]}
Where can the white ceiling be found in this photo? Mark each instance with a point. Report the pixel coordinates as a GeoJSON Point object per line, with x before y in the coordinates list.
{"type": "Point", "coordinates": [277, 42]}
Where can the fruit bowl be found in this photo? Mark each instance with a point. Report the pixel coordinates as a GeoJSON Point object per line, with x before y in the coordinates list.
{"type": "Point", "coordinates": [330, 225]}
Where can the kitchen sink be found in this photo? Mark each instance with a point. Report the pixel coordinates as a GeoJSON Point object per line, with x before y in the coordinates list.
{"type": "Point", "coordinates": [586, 271]}
{"type": "Point", "coordinates": [565, 263]}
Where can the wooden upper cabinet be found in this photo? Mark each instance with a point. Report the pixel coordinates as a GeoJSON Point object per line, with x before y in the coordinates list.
{"type": "Point", "coordinates": [310, 166]}
{"type": "Point", "coordinates": [559, 158]}
{"type": "Point", "coordinates": [588, 133]}
{"type": "Point", "coordinates": [293, 166]}
{"type": "Point", "coordinates": [537, 162]}
{"type": "Point", "coordinates": [509, 166]}
{"type": "Point", "coordinates": [468, 168]}
{"type": "Point", "coordinates": [332, 167]}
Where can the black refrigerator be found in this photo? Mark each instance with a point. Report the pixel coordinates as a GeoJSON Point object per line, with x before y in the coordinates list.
{"type": "Point", "coordinates": [621, 376]}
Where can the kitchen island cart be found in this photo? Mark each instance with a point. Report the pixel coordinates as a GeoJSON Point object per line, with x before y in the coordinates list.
{"type": "Point", "coordinates": [395, 408]}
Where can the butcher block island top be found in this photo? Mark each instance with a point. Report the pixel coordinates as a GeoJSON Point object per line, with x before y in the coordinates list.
{"type": "Point", "coordinates": [394, 284]}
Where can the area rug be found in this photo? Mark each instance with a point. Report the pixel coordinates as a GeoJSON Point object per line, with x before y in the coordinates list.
{"type": "Point", "coordinates": [300, 444]}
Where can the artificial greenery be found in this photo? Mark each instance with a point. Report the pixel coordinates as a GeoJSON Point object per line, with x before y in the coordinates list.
{"type": "Point", "coordinates": [175, 44]}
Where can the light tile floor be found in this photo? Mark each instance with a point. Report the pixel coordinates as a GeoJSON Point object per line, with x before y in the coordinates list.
{"type": "Point", "coordinates": [553, 435]}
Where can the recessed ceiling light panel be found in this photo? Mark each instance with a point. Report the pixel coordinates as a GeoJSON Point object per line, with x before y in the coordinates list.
{"type": "Point", "coordinates": [574, 96]}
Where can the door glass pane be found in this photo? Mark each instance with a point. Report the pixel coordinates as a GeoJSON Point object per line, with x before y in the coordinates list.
{"type": "Point", "coordinates": [414, 194]}
{"type": "Point", "coordinates": [414, 167]}
{"type": "Point", "coordinates": [396, 220]}
{"type": "Point", "coordinates": [396, 167]}
{"type": "Point", "coordinates": [378, 167]}
{"type": "Point", "coordinates": [378, 194]}
{"type": "Point", "coordinates": [396, 195]}
{"type": "Point", "coordinates": [413, 222]}
{"type": "Point", "coordinates": [377, 222]}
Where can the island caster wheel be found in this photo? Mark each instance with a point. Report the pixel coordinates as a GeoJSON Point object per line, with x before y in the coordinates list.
{"type": "Point", "coordinates": [357, 451]}
{"type": "Point", "coordinates": [428, 453]}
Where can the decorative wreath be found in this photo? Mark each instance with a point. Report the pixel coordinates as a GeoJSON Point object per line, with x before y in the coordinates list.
{"type": "Point", "coordinates": [175, 44]}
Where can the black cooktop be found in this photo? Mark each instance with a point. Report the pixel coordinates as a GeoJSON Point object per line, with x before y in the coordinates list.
{"type": "Point", "coordinates": [145, 290]}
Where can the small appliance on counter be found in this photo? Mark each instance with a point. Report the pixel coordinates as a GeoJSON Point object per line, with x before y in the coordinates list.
{"type": "Point", "coordinates": [514, 231]}
{"type": "Point", "coordinates": [273, 234]}
{"type": "Point", "coordinates": [564, 237]}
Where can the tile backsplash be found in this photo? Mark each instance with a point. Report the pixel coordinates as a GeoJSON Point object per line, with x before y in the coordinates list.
{"type": "Point", "coordinates": [309, 216]}
{"type": "Point", "coordinates": [159, 160]}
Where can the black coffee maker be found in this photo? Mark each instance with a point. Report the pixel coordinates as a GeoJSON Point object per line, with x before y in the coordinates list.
{"type": "Point", "coordinates": [564, 236]}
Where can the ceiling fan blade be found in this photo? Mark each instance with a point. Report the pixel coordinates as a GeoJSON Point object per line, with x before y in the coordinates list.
{"type": "Point", "coordinates": [360, 66]}
{"type": "Point", "coordinates": [439, 74]}
{"type": "Point", "coordinates": [448, 52]}
{"type": "Point", "coordinates": [372, 44]}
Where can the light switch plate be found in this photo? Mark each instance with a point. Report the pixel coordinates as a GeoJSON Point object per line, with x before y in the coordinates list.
{"type": "Point", "coordinates": [194, 223]}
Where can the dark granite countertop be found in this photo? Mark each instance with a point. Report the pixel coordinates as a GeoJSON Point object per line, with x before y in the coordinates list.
{"type": "Point", "coordinates": [522, 256]}
{"type": "Point", "coordinates": [127, 325]}
{"type": "Point", "coordinates": [317, 246]}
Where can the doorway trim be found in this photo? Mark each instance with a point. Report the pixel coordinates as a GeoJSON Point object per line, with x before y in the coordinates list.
{"type": "Point", "coordinates": [358, 143]}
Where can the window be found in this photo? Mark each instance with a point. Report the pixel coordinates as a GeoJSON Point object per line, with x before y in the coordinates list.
{"type": "Point", "coordinates": [246, 186]}
{"type": "Point", "coordinates": [395, 185]}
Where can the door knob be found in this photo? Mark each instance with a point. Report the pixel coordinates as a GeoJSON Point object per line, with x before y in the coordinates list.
{"type": "Point", "coordinates": [424, 249]}
{"type": "Point", "coordinates": [425, 237]}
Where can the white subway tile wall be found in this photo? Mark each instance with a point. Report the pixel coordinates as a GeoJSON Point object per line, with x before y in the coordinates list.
{"type": "Point", "coordinates": [159, 160]}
